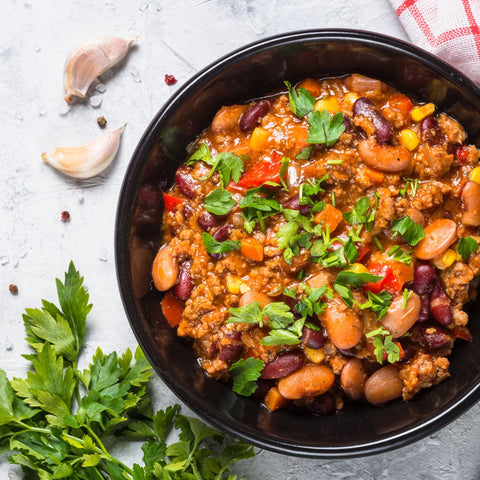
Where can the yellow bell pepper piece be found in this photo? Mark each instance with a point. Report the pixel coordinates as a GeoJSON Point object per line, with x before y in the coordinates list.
{"type": "Point", "coordinates": [314, 355]}
{"type": "Point", "coordinates": [349, 99]}
{"type": "Point", "coordinates": [358, 268]}
{"type": "Point", "coordinates": [475, 175]}
{"type": "Point", "coordinates": [422, 111]}
{"type": "Point", "coordinates": [236, 285]}
{"type": "Point", "coordinates": [259, 138]}
{"type": "Point", "coordinates": [330, 104]}
{"type": "Point", "coordinates": [409, 139]}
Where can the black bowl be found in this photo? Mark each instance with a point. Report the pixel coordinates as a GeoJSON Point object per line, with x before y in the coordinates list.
{"type": "Point", "coordinates": [359, 429]}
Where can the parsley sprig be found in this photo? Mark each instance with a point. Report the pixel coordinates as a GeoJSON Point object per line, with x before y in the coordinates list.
{"type": "Point", "coordinates": [52, 436]}
{"type": "Point", "coordinates": [256, 206]}
{"type": "Point", "coordinates": [378, 303]}
{"type": "Point", "coordinates": [411, 232]}
{"type": "Point", "coordinates": [325, 129]}
{"type": "Point", "coordinates": [301, 100]}
{"type": "Point", "coordinates": [362, 213]}
{"type": "Point", "coordinates": [384, 344]}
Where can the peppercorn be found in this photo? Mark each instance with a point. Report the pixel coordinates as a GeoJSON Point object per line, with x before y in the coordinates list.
{"type": "Point", "coordinates": [170, 79]}
{"type": "Point", "coordinates": [102, 122]}
{"type": "Point", "coordinates": [65, 215]}
{"type": "Point", "coordinates": [13, 289]}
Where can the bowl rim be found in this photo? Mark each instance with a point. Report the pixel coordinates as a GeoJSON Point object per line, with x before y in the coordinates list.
{"type": "Point", "coordinates": [122, 257]}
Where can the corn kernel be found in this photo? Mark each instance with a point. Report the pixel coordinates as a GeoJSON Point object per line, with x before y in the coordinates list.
{"type": "Point", "coordinates": [349, 99]}
{"type": "Point", "coordinates": [330, 104]}
{"type": "Point", "coordinates": [358, 268]}
{"type": "Point", "coordinates": [314, 355]}
{"type": "Point", "coordinates": [409, 139]}
{"type": "Point", "coordinates": [419, 113]}
{"type": "Point", "coordinates": [259, 138]}
{"type": "Point", "coordinates": [236, 285]}
{"type": "Point", "coordinates": [475, 175]}
{"type": "Point", "coordinates": [445, 260]}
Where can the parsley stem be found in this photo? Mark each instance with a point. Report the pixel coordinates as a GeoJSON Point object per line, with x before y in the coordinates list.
{"type": "Point", "coordinates": [105, 451]}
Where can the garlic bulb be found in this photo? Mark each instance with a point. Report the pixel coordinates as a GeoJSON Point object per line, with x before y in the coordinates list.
{"type": "Point", "coordinates": [89, 60]}
{"type": "Point", "coordinates": [87, 160]}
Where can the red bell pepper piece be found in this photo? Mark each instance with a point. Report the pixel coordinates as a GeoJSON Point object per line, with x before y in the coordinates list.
{"type": "Point", "coordinates": [171, 202]}
{"type": "Point", "coordinates": [261, 172]}
{"type": "Point", "coordinates": [389, 281]}
{"type": "Point", "coordinates": [172, 309]}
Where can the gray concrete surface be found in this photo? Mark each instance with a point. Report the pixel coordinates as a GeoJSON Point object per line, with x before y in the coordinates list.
{"type": "Point", "coordinates": [176, 37]}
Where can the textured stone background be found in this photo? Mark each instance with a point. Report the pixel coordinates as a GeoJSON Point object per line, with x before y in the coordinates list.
{"type": "Point", "coordinates": [177, 37]}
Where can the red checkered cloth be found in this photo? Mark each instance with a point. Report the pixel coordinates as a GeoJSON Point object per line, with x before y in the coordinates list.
{"type": "Point", "coordinates": [447, 28]}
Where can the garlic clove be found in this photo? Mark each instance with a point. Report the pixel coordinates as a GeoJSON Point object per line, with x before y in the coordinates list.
{"type": "Point", "coordinates": [87, 160]}
{"type": "Point", "coordinates": [89, 60]}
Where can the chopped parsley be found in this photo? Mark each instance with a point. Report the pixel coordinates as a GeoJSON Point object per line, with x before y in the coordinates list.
{"type": "Point", "coordinates": [203, 154]}
{"type": "Point", "coordinates": [325, 129]}
{"type": "Point", "coordinates": [406, 296]}
{"type": "Point", "coordinates": [347, 279]}
{"type": "Point", "coordinates": [400, 255]}
{"type": "Point", "coordinates": [378, 303]}
{"type": "Point", "coordinates": [256, 208]}
{"type": "Point", "coordinates": [310, 189]}
{"type": "Point", "coordinates": [283, 172]}
{"type": "Point", "coordinates": [301, 100]}
{"type": "Point", "coordinates": [310, 302]}
{"type": "Point", "coordinates": [411, 232]}
{"type": "Point", "coordinates": [378, 244]}
{"type": "Point", "coordinates": [219, 202]}
{"type": "Point", "coordinates": [384, 344]}
{"type": "Point", "coordinates": [466, 246]}
{"type": "Point", "coordinates": [245, 374]}
{"type": "Point", "coordinates": [305, 153]}
{"type": "Point", "coordinates": [338, 161]}
{"type": "Point", "coordinates": [229, 167]}
{"type": "Point", "coordinates": [410, 183]}
{"type": "Point", "coordinates": [362, 213]}
{"type": "Point", "coordinates": [212, 246]}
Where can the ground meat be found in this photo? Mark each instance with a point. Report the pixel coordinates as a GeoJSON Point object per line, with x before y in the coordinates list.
{"type": "Point", "coordinates": [456, 280]}
{"type": "Point", "coordinates": [431, 162]}
{"type": "Point", "coordinates": [451, 128]}
{"type": "Point", "coordinates": [430, 194]}
{"type": "Point", "coordinates": [422, 371]}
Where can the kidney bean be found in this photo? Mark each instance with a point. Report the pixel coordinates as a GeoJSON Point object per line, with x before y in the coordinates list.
{"type": "Point", "coordinates": [386, 158]}
{"type": "Point", "coordinates": [254, 296]}
{"type": "Point", "coordinates": [440, 304]}
{"type": "Point", "coordinates": [431, 132]}
{"type": "Point", "coordinates": [312, 338]}
{"type": "Point", "coordinates": [184, 285]}
{"type": "Point", "coordinates": [230, 352]}
{"type": "Point", "coordinates": [361, 84]}
{"type": "Point", "coordinates": [424, 314]}
{"type": "Point", "coordinates": [349, 128]}
{"type": "Point", "coordinates": [363, 106]}
{"type": "Point", "coordinates": [165, 269]}
{"type": "Point", "coordinates": [285, 364]}
{"type": "Point", "coordinates": [433, 337]}
{"type": "Point", "coordinates": [384, 385]}
{"type": "Point", "coordinates": [207, 220]}
{"type": "Point", "coordinates": [344, 326]}
{"type": "Point", "coordinates": [252, 116]}
{"type": "Point", "coordinates": [439, 235]}
{"type": "Point", "coordinates": [263, 386]}
{"type": "Point", "coordinates": [185, 182]}
{"type": "Point", "coordinates": [222, 233]}
{"type": "Point", "coordinates": [471, 203]}
{"type": "Point", "coordinates": [409, 352]}
{"type": "Point", "coordinates": [308, 381]}
{"type": "Point", "coordinates": [423, 278]}
{"type": "Point", "coordinates": [187, 211]}
{"type": "Point", "coordinates": [322, 404]}
{"type": "Point", "coordinates": [293, 203]}
{"type": "Point", "coordinates": [399, 320]}
{"type": "Point", "coordinates": [352, 378]}
{"type": "Point", "coordinates": [349, 352]}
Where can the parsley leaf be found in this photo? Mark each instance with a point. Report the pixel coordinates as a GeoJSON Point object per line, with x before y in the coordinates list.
{"type": "Point", "coordinates": [324, 129]}
{"type": "Point", "coordinates": [229, 167]}
{"type": "Point", "coordinates": [406, 295]}
{"type": "Point", "coordinates": [400, 255]}
{"type": "Point", "coordinates": [203, 154]}
{"type": "Point", "coordinates": [411, 232]}
{"type": "Point", "coordinates": [245, 373]}
{"type": "Point", "coordinates": [384, 344]}
{"type": "Point", "coordinates": [305, 153]}
{"type": "Point", "coordinates": [279, 315]}
{"type": "Point", "coordinates": [219, 202]}
{"type": "Point", "coordinates": [280, 337]}
{"type": "Point", "coordinates": [466, 246]}
{"type": "Point", "coordinates": [378, 303]}
{"type": "Point", "coordinates": [251, 313]}
{"type": "Point", "coordinates": [310, 302]}
{"type": "Point", "coordinates": [347, 278]}
{"type": "Point", "coordinates": [256, 208]}
{"type": "Point", "coordinates": [212, 246]}
{"type": "Point", "coordinates": [301, 100]}
{"type": "Point", "coordinates": [360, 213]}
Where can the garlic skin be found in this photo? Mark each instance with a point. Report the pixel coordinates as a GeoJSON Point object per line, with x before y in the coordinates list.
{"type": "Point", "coordinates": [86, 160]}
{"type": "Point", "coordinates": [89, 60]}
